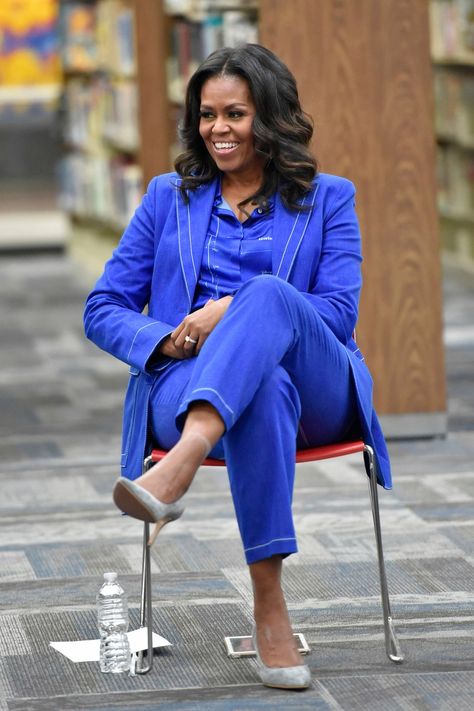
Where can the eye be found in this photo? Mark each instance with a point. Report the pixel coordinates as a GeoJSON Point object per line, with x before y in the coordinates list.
{"type": "Point", "coordinates": [235, 114]}
{"type": "Point", "coordinates": [206, 114]}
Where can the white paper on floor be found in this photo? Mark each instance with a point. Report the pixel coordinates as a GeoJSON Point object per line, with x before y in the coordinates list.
{"type": "Point", "coordinates": [87, 650]}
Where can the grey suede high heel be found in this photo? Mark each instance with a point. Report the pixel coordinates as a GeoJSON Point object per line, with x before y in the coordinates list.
{"type": "Point", "coordinates": [281, 677]}
{"type": "Point", "coordinates": [134, 500]}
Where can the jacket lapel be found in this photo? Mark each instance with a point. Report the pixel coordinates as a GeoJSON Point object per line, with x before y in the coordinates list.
{"type": "Point", "coordinates": [289, 228]}
{"type": "Point", "coordinates": [192, 223]}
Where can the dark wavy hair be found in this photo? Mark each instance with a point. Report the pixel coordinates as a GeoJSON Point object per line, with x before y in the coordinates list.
{"type": "Point", "coordinates": [282, 130]}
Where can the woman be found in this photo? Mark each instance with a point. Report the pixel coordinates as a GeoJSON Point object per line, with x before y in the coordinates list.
{"type": "Point", "coordinates": [248, 262]}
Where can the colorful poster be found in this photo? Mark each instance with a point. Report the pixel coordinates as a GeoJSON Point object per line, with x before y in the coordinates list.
{"type": "Point", "coordinates": [29, 43]}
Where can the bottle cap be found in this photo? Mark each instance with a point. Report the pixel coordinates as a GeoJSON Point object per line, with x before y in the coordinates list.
{"type": "Point", "coordinates": [110, 577]}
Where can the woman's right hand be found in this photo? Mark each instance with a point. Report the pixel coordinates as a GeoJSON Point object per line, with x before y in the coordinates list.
{"type": "Point", "coordinates": [169, 349]}
{"type": "Point", "coordinates": [200, 323]}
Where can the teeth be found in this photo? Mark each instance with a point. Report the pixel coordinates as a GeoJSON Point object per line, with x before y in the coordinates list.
{"type": "Point", "coordinates": [225, 145]}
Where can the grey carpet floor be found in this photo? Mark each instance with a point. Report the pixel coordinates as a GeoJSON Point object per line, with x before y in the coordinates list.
{"type": "Point", "coordinates": [60, 414]}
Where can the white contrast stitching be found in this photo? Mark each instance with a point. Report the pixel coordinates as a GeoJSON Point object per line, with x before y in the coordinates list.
{"type": "Point", "coordinates": [215, 281]}
{"type": "Point", "coordinates": [302, 234]}
{"type": "Point", "coordinates": [218, 395]}
{"type": "Point", "coordinates": [274, 540]}
{"type": "Point", "coordinates": [287, 243]}
{"type": "Point", "coordinates": [179, 249]}
{"type": "Point", "coordinates": [191, 244]}
{"type": "Point", "coordinates": [153, 323]}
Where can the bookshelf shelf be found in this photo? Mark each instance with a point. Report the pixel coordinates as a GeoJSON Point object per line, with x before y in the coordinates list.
{"type": "Point", "coordinates": [449, 213]}
{"type": "Point", "coordinates": [101, 176]}
{"type": "Point", "coordinates": [126, 64]}
{"type": "Point", "coordinates": [454, 61]}
{"type": "Point", "coordinates": [452, 47]}
{"type": "Point", "coordinates": [451, 139]}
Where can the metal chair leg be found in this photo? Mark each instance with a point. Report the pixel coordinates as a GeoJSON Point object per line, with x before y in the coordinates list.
{"type": "Point", "coordinates": [146, 610]}
{"type": "Point", "coordinates": [392, 645]}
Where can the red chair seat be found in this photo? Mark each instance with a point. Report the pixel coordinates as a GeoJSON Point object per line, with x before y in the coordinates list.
{"type": "Point", "coordinates": [312, 454]}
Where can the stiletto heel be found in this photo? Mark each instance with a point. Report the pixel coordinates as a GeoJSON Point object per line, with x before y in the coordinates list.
{"type": "Point", "coordinates": [134, 500]}
{"type": "Point", "coordinates": [281, 677]}
{"type": "Point", "coordinates": [157, 528]}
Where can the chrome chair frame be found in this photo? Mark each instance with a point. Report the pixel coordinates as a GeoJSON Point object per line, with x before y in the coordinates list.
{"type": "Point", "coordinates": [392, 645]}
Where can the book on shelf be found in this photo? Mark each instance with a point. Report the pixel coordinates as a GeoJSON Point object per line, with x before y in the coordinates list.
{"type": "Point", "coordinates": [98, 36]}
{"type": "Point", "coordinates": [120, 116]}
{"type": "Point", "coordinates": [238, 28]}
{"type": "Point", "coordinates": [452, 30]}
{"type": "Point", "coordinates": [197, 10]}
{"type": "Point", "coordinates": [116, 37]}
{"type": "Point", "coordinates": [455, 182]}
{"type": "Point", "coordinates": [100, 187]}
{"type": "Point", "coordinates": [99, 110]}
{"type": "Point", "coordinates": [191, 42]}
{"type": "Point", "coordinates": [78, 23]}
{"type": "Point", "coordinates": [454, 105]}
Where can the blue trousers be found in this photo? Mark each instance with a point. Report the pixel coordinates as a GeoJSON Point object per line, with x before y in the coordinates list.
{"type": "Point", "coordinates": [279, 379]}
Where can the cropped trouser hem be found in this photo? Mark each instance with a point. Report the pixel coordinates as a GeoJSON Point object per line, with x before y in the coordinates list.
{"type": "Point", "coordinates": [214, 398]}
{"type": "Point", "coordinates": [278, 546]}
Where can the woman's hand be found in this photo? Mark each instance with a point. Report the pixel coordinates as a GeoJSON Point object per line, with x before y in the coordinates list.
{"type": "Point", "coordinates": [196, 326]}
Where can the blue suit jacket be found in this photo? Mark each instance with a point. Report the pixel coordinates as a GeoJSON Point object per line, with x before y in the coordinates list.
{"type": "Point", "coordinates": [148, 285]}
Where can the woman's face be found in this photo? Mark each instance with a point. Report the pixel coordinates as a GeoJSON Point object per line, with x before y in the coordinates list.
{"type": "Point", "coordinates": [227, 113]}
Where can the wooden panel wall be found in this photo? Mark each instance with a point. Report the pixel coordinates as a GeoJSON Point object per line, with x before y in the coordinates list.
{"type": "Point", "coordinates": [152, 41]}
{"type": "Point", "coordinates": [364, 74]}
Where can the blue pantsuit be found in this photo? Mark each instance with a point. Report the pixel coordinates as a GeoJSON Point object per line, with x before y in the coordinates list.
{"type": "Point", "coordinates": [276, 374]}
{"type": "Point", "coordinates": [281, 368]}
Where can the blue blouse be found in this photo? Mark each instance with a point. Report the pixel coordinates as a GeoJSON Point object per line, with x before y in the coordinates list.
{"type": "Point", "coordinates": [233, 251]}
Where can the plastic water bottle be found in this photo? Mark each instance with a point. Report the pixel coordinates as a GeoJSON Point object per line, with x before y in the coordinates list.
{"type": "Point", "coordinates": [112, 617]}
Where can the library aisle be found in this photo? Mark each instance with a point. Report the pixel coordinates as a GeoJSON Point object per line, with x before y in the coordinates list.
{"type": "Point", "coordinates": [30, 141]}
{"type": "Point", "coordinates": [60, 418]}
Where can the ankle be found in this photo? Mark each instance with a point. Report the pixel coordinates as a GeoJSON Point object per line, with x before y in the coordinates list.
{"type": "Point", "coordinates": [201, 441]}
{"type": "Point", "coordinates": [203, 419]}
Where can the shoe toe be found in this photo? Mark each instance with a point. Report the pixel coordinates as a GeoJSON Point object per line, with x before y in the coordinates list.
{"type": "Point", "coordinates": [286, 677]}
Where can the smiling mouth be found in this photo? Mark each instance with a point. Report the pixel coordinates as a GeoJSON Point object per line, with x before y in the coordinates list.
{"type": "Point", "coordinates": [224, 146]}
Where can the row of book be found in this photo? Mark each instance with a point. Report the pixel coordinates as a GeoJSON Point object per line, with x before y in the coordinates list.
{"type": "Point", "coordinates": [100, 110]}
{"type": "Point", "coordinates": [100, 176]}
{"type": "Point", "coordinates": [98, 36]}
{"type": "Point", "coordinates": [99, 187]}
{"type": "Point", "coordinates": [199, 10]}
{"type": "Point", "coordinates": [452, 30]}
{"type": "Point", "coordinates": [456, 182]}
{"type": "Point", "coordinates": [191, 42]}
{"type": "Point", "coordinates": [454, 105]}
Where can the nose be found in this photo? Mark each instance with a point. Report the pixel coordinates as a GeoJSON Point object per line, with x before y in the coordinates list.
{"type": "Point", "coordinates": [220, 125]}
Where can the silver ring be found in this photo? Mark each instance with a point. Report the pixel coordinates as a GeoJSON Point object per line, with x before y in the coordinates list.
{"type": "Point", "coordinates": [188, 339]}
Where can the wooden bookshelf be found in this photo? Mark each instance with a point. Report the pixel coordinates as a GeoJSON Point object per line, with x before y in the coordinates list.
{"type": "Point", "coordinates": [364, 73]}
{"type": "Point", "coordinates": [372, 101]}
{"type": "Point", "coordinates": [156, 130]}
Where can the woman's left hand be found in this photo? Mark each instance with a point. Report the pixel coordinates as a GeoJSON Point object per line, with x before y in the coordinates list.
{"type": "Point", "coordinates": [198, 325]}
